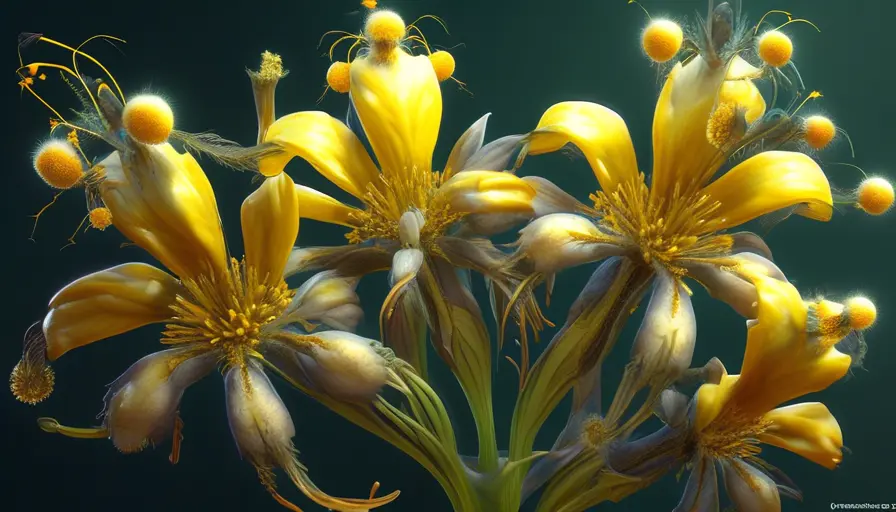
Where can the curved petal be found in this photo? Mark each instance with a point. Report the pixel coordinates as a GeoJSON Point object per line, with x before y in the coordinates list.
{"type": "Point", "coordinates": [780, 364]}
{"type": "Point", "coordinates": [324, 142]}
{"type": "Point", "coordinates": [681, 151]}
{"type": "Point", "coordinates": [399, 103]}
{"type": "Point", "coordinates": [750, 489]}
{"type": "Point", "coordinates": [701, 494]}
{"type": "Point", "coordinates": [163, 202]}
{"type": "Point", "coordinates": [745, 96]}
{"type": "Point", "coordinates": [807, 429]}
{"type": "Point", "coordinates": [345, 366]}
{"type": "Point", "coordinates": [562, 240]}
{"type": "Point", "coordinates": [466, 146]}
{"type": "Point", "coordinates": [106, 303]}
{"type": "Point", "coordinates": [270, 220]}
{"type": "Point", "coordinates": [141, 405]}
{"type": "Point", "coordinates": [487, 192]}
{"type": "Point", "coordinates": [730, 280]}
{"type": "Point", "coordinates": [319, 206]}
{"type": "Point", "coordinates": [666, 337]}
{"type": "Point", "coordinates": [767, 182]}
{"type": "Point", "coordinates": [326, 297]}
{"type": "Point", "coordinates": [597, 131]}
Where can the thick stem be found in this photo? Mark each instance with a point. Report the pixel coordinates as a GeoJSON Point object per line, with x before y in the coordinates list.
{"type": "Point", "coordinates": [591, 329]}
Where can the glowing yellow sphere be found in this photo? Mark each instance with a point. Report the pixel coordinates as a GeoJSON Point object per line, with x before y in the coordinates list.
{"type": "Point", "coordinates": [819, 131]}
{"type": "Point", "coordinates": [384, 27]}
{"type": "Point", "coordinates": [775, 48]}
{"type": "Point", "coordinates": [338, 77]}
{"type": "Point", "coordinates": [148, 119]}
{"type": "Point", "coordinates": [875, 196]}
{"type": "Point", "coordinates": [443, 64]}
{"type": "Point", "coordinates": [860, 312]}
{"type": "Point", "coordinates": [58, 163]}
{"type": "Point", "coordinates": [661, 40]}
{"type": "Point", "coordinates": [100, 218]}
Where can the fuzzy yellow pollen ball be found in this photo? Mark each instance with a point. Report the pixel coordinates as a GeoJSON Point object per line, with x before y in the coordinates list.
{"type": "Point", "coordinates": [818, 131]}
{"type": "Point", "coordinates": [443, 64]}
{"type": "Point", "coordinates": [58, 163]}
{"type": "Point", "coordinates": [860, 312]}
{"type": "Point", "coordinates": [338, 77]}
{"type": "Point", "coordinates": [775, 48]}
{"type": "Point", "coordinates": [875, 196]}
{"type": "Point", "coordinates": [148, 119]}
{"type": "Point", "coordinates": [100, 218]}
{"type": "Point", "coordinates": [384, 27]}
{"type": "Point", "coordinates": [661, 40]}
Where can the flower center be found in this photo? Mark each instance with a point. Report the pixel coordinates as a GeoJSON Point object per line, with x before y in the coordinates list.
{"type": "Point", "coordinates": [395, 194]}
{"type": "Point", "coordinates": [227, 313]}
{"type": "Point", "coordinates": [732, 436]}
{"type": "Point", "coordinates": [663, 231]}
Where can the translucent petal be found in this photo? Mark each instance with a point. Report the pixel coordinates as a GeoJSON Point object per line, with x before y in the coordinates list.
{"type": "Point", "coordinates": [701, 494]}
{"type": "Point", "coordinates": [560, 240]}
{"type": "Point", "coordinates": [807, 429]}
{"type": "Point", "coordinates": [261, 426]}
{"type": "Point", "coordinates": [750, 489]}
{"type": "Point", "coordinates": [466, 146]}
{"type": "Point", "coordinates": [346, 366]}
{"type": "Point", "coordinates": [666, 338]}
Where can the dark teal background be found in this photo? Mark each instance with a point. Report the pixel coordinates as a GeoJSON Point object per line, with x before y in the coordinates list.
{"type": "Point", "coordinates": [517, 58]}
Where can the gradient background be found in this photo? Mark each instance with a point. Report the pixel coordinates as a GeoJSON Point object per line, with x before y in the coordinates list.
{"type": "Point", "coordinates": [518, 58]}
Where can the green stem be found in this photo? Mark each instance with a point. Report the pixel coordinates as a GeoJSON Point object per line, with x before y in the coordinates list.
{"type": "Point", "coordinates": [588, 335]}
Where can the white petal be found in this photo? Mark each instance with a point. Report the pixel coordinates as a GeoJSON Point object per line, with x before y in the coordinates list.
{"type": "Point", "coordinates": [259, 421]}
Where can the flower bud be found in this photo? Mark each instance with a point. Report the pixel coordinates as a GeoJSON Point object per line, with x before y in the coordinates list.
{"type": "Point", "coordinates": [345, 366]}
{"type": "Point", "coordinates": [259, 421]}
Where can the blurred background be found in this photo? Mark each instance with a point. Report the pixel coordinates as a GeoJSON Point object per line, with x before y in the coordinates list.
{"type": "Point", "coordinates": [517, 58]}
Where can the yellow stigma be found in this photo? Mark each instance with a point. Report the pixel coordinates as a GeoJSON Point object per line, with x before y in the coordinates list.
{"type": "Point", "coordinates": [57, 163]}
{"type": "Point", "coordinates": [384, 28]}
{"type": "Point", "coordinates": [661, 40]}
{"type": "Point", "coordinates": [875, 196]}
{"type": "Point", "coordinates": [148, 119]}
{"type": "Point", "coordinates": [31, 383]}
{"type": "Point", "coordinates": [339, 77]}
{"type": "Point", "coordinates": [100, 218]}
{"type": "Point", "coordinates": [443, 64]}
{"type": "Point", "coordinates": [775, 48]}
{"type": "Point", "coordinates": [271, 68]}
{"type": "Point", "coordinates": [731, 435]}
{"type": "Point", "coordinates": [860, 312]}
{"type": "Point", "coordinates": [818, 131]}
{"type": "Point", "coordinates": [397, 194]}
{"type": "Point", "coordinates": [228, 312]}
{"type": "Point", "coordinates": [662, 232]}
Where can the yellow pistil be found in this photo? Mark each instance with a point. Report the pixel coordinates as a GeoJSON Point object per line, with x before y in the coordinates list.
{"type": "Point", "coordinates": [731, 435]}
{"type": "Point", "coordinates": [228, 314]}
{"type": "Point", "coordinates": [396, 194]}
{"type": "Point", "coordinates": [827, 322]}
{"type": "Point", "coordinates": [722, 124]}
{"type": "Point", "coordinates": [662, 231]}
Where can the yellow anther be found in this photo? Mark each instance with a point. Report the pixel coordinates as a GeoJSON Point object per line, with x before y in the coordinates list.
{"type": "Point", "coordinates": [661, 40]}
{"type": "Point", "coordinates": [384, 27]}
{"type": "Point", "coordinates": [818, 131]}
{"type": "Point", "coordinates": [860, 312]}
{"type": "Point", "coordinates": [148, 119]}
{"type": "Point", "coordinates": [58, 163]}
{"type": "Point", "coordinates": [775, 48]}
{"type": "Point", "coordinates": [443, 64]}
{"type": "Point", "coordinates": [100, 218]}
{"type": "Point", "coordinates": [339, 77]}
{"type": "Point", "coordinates": [720, 127]}
{"type": "Point", "coordinates": [875, 196]}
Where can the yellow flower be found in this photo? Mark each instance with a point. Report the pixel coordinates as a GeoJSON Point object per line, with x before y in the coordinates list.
{"type": "Point", "coordinates": [217, 310]}
{"type": "Point", "coordinates": [674, 224]}
{"type": "Point", "coordinates": [411, 211]}
{"type": "Point", "coordinates": [789, 354]}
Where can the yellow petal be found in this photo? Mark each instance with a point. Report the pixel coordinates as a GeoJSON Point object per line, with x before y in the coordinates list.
{"type": "Point", "coordinates": [163, 202]}
{"type": "Point", "coordinates": [597, 131]}
{"type": "Point", "coordinates": [399, 103]}
{"type": "Point", "coordinates": [711, 399]}
{"type": "Point", "coordinates": [319, 206]}
{"type": "Point", "coordinates": [681, 152]}
{"type": "Point", "coordinates": [270, 219]}
{"type": "Point", "coordinates": [768, 182]}
{"type": "Point", "coordinates": [780, 363]}
{"type": "Point", "coordinates": [487, 192]}
{"type": "Point", "coordinates": [807, 429]}
{"type": "Point", "coordinates": [746, 96]}
{"type": "Point", "coordinates": [327, 144]}
{"type": "Point", "coordinates": [106, 303]}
